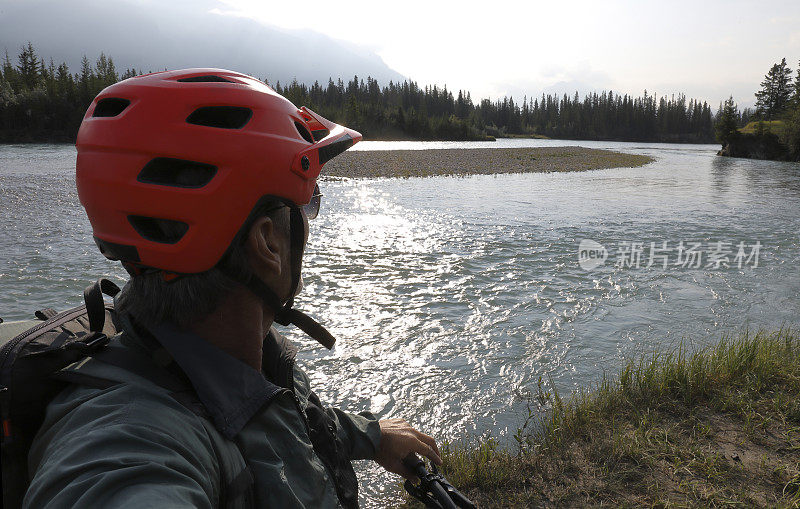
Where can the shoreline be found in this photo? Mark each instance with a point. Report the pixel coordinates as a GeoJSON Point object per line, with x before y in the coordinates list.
{"type": "Point", "coordinates": [476, 161]}
{"type": "Point", "coordinates": [720, 426]}
{"type": "Point", "coordinates": [58, 140]}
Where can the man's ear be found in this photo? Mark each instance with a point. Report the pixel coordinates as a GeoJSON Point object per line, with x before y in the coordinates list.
{"type": "Point", "coordinates": [264, 246]}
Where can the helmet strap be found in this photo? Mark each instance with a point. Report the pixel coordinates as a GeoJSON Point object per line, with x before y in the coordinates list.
{"type": "Point", "coordinates": [284, 313]}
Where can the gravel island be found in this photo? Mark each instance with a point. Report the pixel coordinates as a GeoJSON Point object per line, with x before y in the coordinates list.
{"type": "Point", "coordinates": [477, 161]}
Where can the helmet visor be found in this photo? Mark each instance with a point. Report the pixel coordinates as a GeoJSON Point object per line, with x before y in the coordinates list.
{"type": "Point", "coordinates": [329, 140]}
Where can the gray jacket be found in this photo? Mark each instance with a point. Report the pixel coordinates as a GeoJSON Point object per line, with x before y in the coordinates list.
{"type": "Point", "coordinates": [217, 426]}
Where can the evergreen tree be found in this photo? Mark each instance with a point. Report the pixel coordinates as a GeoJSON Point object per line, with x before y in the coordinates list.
{"type": "Point", "coordinates": [85, 80]}
{"type": "Point", "coordinates": [7, 96]}
{"type": "Point", "coordinates": [783, 87]}
{"type": "Point", "coordinates": [726, 126]}
{"type": "Point", "coordinates": [765, 96]}
{"type": "Point", "coordinates": [792, 132]}
{"type": "Point", "coordinates": [9, 72]}
{"type": "Point", "coordinates": [130, 73]}
{"type": "Point", "coordinates": [64, 81]}
{"type": "Point", "coordinates": [796, 97]}
{"type": "Point", "coordinates": [28, 67]}
{"type": "Point", "coordinates": [776, 91]}
{"type": "Point", "coordinates": [792, 128]}
{"type": "Point", "coordinates": [746, 116]}
{"type": "Point", "coordinates": [54, 108]}
{"type": "Point", "coordinates": [105, 73]}
{"type": "Point", "coordinates": [351, 112]}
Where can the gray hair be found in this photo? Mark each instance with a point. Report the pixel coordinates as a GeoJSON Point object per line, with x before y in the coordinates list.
{"type": "Point", "coordinates": [152, 300]}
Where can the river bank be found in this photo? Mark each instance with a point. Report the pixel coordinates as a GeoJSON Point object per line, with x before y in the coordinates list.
{"type": "Point", "coordinates": [717, 427]}
{"type": "Point", "coordinates": [766, 146]}
{"type": "Point", "coordinates": [774, 140]}
{"type": "Point", "coordinates": [484, 161]}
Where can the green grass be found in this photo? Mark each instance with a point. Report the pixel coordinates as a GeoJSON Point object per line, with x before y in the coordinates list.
{"type": "Point", "coordinates": [776, 127]}
{"type": "Point", "coordinates": [715, 427]}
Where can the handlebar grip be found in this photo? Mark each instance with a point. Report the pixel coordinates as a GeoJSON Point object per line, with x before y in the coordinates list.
{"type": "Point", "coordinates": [417, 466]}
{"type": "Point", "coordinates": [413, 463]}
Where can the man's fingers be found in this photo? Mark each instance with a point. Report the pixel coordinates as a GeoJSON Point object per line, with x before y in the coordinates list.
{"type": "Point", "coordinates": [428, 451]}
{"type": "Point", "coordinates": [428, 440]}
{"type": "Point", "coordinates": [398, 440]}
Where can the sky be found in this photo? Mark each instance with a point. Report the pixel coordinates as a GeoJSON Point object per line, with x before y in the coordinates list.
{"type": "Point", "coordinates": [707, 49]}
{"type": "Point", "coordinates": [155, 35]}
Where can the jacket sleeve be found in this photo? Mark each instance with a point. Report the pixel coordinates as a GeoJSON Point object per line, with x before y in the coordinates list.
{"type": "Point", "coordinates": [115, 448]}
{"type": "Point", "coordinates": [360, 433]}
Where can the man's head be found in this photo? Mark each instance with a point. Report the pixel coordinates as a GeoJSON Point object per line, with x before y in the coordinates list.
{"type": "Point", "coordinates": [175, 169]}
{"type": "Point", "coordinates": [264, 252]}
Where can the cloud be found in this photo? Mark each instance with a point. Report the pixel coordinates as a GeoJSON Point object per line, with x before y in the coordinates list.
{"type": "Point", "coordinates": [150, 35]}
{"type": "Point", "coordinates": [228, 12]}
{"type": "Point", "coordinates": [555, 79]}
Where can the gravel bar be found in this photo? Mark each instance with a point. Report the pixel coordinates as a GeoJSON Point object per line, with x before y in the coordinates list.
{"type": "Point", "coordinates": [477, 161]}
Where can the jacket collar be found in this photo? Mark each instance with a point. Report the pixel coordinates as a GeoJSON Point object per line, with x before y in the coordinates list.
{"type": "Point", "coordinates": [231, 391]}
{"type": "Point", "coordinates": [277, 359]}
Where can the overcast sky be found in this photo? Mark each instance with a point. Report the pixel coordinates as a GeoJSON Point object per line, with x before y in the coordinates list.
{"type": "Point", "coordinates": [707, 49]}
{"type": "Point", "coordinates": [151, 36]}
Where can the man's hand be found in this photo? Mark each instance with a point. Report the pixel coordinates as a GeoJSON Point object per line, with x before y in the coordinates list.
{"type": "Point", "coordinates": [398, 440]}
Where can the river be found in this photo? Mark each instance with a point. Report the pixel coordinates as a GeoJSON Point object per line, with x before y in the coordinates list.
{"type": "Point", "coordinates": [451, 296]}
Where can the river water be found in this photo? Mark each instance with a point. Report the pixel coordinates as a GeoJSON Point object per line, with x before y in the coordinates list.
{"type": "Point", "coordinates": [451, 296]}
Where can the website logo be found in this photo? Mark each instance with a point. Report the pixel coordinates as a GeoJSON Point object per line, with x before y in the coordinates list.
{"type": "Point", "coordinates": [591, 254]}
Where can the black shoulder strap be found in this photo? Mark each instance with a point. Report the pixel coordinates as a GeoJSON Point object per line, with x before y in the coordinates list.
{"type": "Point", "coordinates": [140, 365]}
{"type": "Point", "coordinates": [95, 306]}
{"type": "Point", "coordinates": [46, 314]}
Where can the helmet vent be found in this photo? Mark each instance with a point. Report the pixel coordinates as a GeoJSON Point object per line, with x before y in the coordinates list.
{"type": "Point", "coordinates": [224, 117]}
{"type": "Point", "coordinates": [303, 132]}
{"type": "Point", "coordinates": [210, 78]}
{"type": "Point", "coordinates": [164, 231]}
{"type": "Point", "coordinates": [319, 134]}
{"type": "Point", "coordinates": [110, 107]}
{"type": "Point", "coordinates": [114, 251]}
{"type": "Point", "coordinates": [166, 171]}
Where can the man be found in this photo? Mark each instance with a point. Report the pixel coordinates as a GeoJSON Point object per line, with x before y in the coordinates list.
{"type": "Point", "coordinates": [201, 182]}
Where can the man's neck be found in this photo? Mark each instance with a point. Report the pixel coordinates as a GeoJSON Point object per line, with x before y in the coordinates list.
{"type": "Point", "coordinates": [238, 326]}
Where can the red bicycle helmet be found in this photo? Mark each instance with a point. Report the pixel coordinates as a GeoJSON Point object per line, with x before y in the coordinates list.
{"type": "Point", "coordinates": [171, 164]}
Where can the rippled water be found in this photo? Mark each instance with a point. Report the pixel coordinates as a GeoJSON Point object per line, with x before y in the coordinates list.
{"type": "Point", "coordinates": [451, 296]}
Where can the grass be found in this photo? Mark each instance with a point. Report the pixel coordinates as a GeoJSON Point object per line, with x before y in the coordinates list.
{"type": "Point", "coordinates": [776, 127]}
{"type": "Point", "coordinates": [716, 427]}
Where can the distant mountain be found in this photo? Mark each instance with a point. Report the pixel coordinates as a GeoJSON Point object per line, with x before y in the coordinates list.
{"type": "Point", "coordinates": [152, 36]}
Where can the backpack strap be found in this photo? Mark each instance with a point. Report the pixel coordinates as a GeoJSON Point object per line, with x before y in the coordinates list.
{"type": "Point", "coordinates": [95, 306]}
{"type": "Point", "coordinates": [26, 362]}
{"type": "Point", "coordinates": [139, 364]}
{"type": "Point", "coordinates": [46, 314]}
